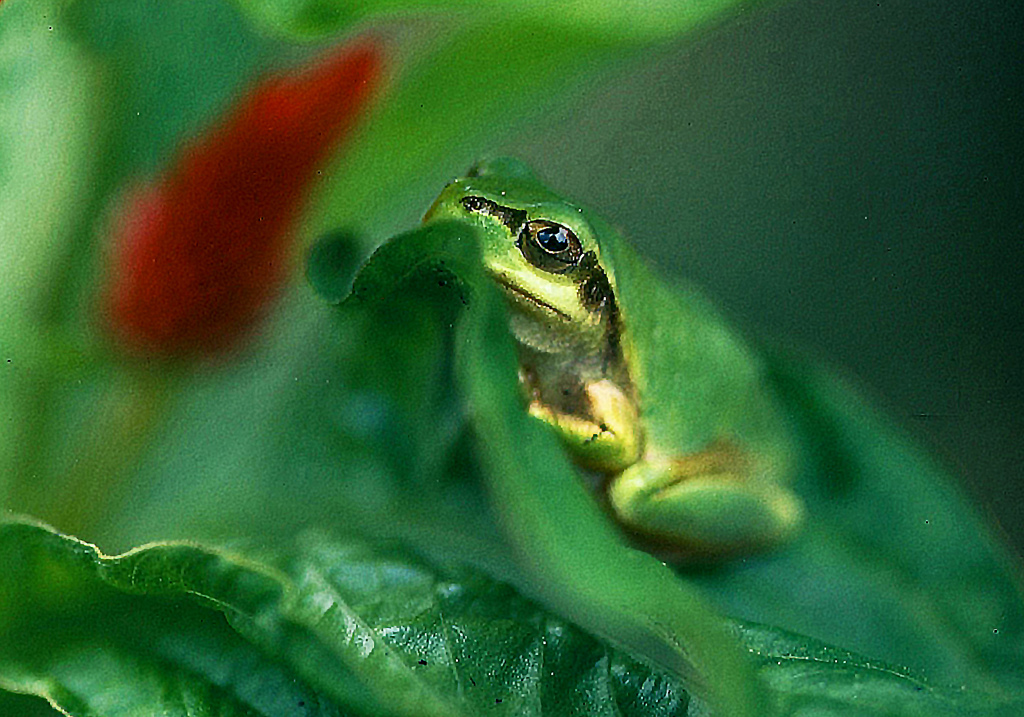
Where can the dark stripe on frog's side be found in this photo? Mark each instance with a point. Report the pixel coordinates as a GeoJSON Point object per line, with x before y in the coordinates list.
{"type": "Point", "coordinates": [595, 292]}
{"type": "Point", "coordinates": [514, 219]}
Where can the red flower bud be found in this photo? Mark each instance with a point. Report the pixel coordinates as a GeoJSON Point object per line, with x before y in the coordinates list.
{"type": "Point", "coordinates": [200, 253]}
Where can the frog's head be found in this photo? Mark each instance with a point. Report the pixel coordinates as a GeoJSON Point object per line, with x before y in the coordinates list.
{"type": "Point", "coordinates": [538, 247]}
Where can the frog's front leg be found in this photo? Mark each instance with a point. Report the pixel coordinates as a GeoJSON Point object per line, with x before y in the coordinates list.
{"type": "Point", "coordinates": [607, 438]}
{"type": "Point", "coordinates": [716, 502]}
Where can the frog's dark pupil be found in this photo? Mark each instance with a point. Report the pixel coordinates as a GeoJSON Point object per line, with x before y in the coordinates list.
{"type": "Point", "coordinates": [552, 239]}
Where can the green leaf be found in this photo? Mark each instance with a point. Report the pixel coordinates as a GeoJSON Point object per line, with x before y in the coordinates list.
{"type": "Point", "coordinates": [452, 101]}
{"type": "Point", "coordinates": [50, 128]}
{"type": "Point", "coordinates": [331, 265]}
{"type": "Point", "coordinates": [628, 21]}
{"type": "Point", "coordinates": [47, 151]}
{"type": "Point", "coordinates": [895, 562]}
{"type": "Point", "coordinates": [174, 71]}
{"type": "Point", "coordinates": [808, 677]}
{"type": "Point", "coordinates": [72, 635]}
{"type": "Point", "coordinates": [318, 623]}
{"type": "Point", "coordinates": [378, 630]}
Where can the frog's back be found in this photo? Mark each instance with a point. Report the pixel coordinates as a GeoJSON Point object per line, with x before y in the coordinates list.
{"type": "Point", "coordinates": [698, 380]}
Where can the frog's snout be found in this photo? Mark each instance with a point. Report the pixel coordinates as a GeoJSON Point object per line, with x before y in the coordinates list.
{"type": "Point", "coordinates": [447, 204]}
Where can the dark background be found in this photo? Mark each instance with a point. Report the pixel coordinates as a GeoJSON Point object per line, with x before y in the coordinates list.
{"type": "Point", "coordinates": [846, 176]}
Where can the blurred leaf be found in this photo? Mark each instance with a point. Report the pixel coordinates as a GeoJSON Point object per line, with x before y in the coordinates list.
{"type": "Point", "coordinates": [81, 98]}
{"type": "Point", "coordinates": [367, 428]}
{"type": "Point", "coordinates": [629, 21]}
{"type": "Point", "coordinates": [374, 629]}
{"type": "Point", "coordinates": [894, 562]}
{"type": "Point", "coordinates": [175, 70]}
{"type": "Point", "coordinates": [331, 265]}
{"type": "Point", "coordinates": [51, 116]}
{"type": "Point", "coordinates": [479, 82]}
{"type": "Point", "coordinates": [807, 677]}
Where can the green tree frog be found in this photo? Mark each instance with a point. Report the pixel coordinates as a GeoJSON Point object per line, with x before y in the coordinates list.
{"type": "Point", "coordinates": [648, 387]}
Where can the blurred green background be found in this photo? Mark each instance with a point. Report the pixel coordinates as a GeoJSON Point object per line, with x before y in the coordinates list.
{"type": "Point", "coordinates": [848, 177]}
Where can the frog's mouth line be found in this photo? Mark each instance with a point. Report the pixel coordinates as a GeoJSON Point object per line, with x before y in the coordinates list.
{"type": "Point", "coordinates": [513, 289]}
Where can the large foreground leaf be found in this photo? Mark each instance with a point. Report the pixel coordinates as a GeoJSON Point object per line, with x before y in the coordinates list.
{"type": "Point", "coordinates": [324, 628]}
{"type": "Point", "coordinates": [320, 624]}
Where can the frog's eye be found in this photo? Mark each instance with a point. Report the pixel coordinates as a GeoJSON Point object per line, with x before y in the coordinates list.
{"type": "Point", "coordinates": [550, 246]}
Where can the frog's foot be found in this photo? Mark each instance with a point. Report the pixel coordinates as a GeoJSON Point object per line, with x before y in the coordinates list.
{"type": "Point", "coordinates": [606, 443]}
{"type": "Point", "coordinates": [711, 503]}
